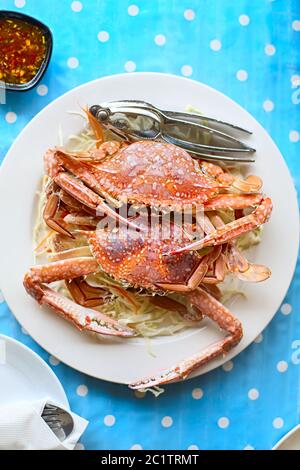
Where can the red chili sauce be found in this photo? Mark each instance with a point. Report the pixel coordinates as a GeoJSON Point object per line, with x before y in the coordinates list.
{"type": "Point", "coordinates": [22, 50]}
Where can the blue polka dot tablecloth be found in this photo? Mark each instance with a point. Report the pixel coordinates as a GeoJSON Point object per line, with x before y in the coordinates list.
{"type": "Point", "coordinates": [250, 50]}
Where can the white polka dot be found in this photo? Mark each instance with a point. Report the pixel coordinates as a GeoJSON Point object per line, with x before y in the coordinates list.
{"type": "Point", "coordinates": [25, 332]}
{"type": "Point", "coordinates": [253, 394]}
{"type": "Point", "coordinates": [1, 297]}
{"type": "Point", "coordinates": [286, 309]}
{"type": "Point", "coordinates": [73, 62]}
{"type": "Point", "coordinates": [160, 40]}
{"type": "Point", "coordinates": [42, 90]}
{"type": "Point", "coordinates": [282, 366]}
{"type": "Point", "coordinates": [242, 75]}
{"type": "Point", "coordinates": [139, 394]}
{"type": "Point", "coordinates": [76, 6]}
{"type": "Point", "coordinates": [189, 14]}
{"type": "Point", "coordinates": [215, 44]}
{"type": "Point", "coordinates": [82, 390]}
{"type": "Point", "coordinates": [278, 423]}
{"type": "Point", "coordinates": [133, 10]}
{"type": "Point", "coordinates": [10, 117]}
{"type": "Point", "coordinates": [228, 366]}
{"type": "Point", "coordinates": [259, 338]}
{"type": "Point", "coordinates": [193, 447]}
{"type": "Point", "coordinates": [197, 393]}
{"type": "Point", "coordinates": [109, 420]}
{"type": "Point", "coordinates": [270, 49]}
{"type": "Point", "coordinates": [294, 136]}
{"type": "Point", "coordinates": [186, 70]}
{"type": "Point", "coordinates": [244, 20]}
{"type": "Point", "coordinates": [295, 80]}
{"type": "Point", "coordinates": [296, 25]}
{"type": "Point", "coordinates": [79, 446]}
{"type": "Point", "coordinates": [223, 422]}
{"type": "Point", "coordinates": [268, 105]}
{"type": "Point", "coordinates": [130, 66]}
{"type": "Point", "coordinates": [103, 36]}
{"type": "Point", "coordinates": [136, 447]}
{"type": "Point", "coordinates": [53, 361]}
{"type": "Point", "coordinates": [167, 421]}
{"type": "Point", "coordinates": [248, 447]}
{"type": "Point", "coordinates": [20, 3]}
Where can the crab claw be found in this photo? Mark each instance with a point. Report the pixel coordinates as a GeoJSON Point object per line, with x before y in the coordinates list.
{"type": "Point", "coordinates": [219, 314]}
{"type": "Point", "coordinates": [85, 318]}
{"type": "Point", "coordinates": [82, 317]}
{"type": "Point", "coordinates": [233, 229]}
{"type": "Point", "coordinates": [49, 213]}
{"type": "Point", "coordinates": [255, 273]}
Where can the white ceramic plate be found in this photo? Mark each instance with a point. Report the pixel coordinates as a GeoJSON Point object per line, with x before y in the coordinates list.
{"type": "Point", "coordinates": [125, 360]}
{"type": "Point", "coordinates": [291, 441]}
{"type": "Point", "coordinates": [24, 376]}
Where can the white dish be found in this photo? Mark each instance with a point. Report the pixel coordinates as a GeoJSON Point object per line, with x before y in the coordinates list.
{"type": "Point", "coordinates": [291, 441]}
{"type": "Point", "coordinates": [24, 376]}
{"type": "Point", "coordinates": [125, 360]}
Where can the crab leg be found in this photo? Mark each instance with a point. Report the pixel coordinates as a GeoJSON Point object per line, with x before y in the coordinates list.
{"type": "Point", "coordinates": [50, 210]}
{"type": "Point", "coordinates": [213, 309]}
{"type": "Point", "coordinates": [252, 184]}
{"type": "Point", "coordinates": [84, 318]}
{"type": "Point", "coordinates": [233, 201]}
{"type": "Point", "coordinates": [250, 272]}
{"type": "Point", "coordinates": [232, 230]}
{"type": "Point", "coordinates": [86, 220]}
{"type": "Point", "coordinates": [84, 294]}
{"type": "Point", "coordinates": [197, 276]}
{"type": "Point", "coordinates": [86, 196]}
{"type": "Point", "coordinates": [220, 268]}
{"type": "Point", "coordinates": [255, 273]}
{"type": "Point", "coordinates": [193, 281]}
{"type": "Point", "coordinates": [78, 183]}
{"type": "Point", "coordinates": [79, 252]}
{"type": "Point", "coordinates": [72, 204]}
{"type": "Point", "coordinates": [213, 290]}
{"type": "Point", "coordinates": [236, 263]}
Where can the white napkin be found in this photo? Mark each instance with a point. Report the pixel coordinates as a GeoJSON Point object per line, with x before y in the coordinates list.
{"type": "Point", "coordinates": [23, 428]}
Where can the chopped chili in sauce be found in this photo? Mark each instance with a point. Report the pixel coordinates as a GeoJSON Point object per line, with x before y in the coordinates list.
{"type": "Point", "coordinates": [23, 48]}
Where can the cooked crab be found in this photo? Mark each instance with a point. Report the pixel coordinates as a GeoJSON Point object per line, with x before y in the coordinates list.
{"type": "Point", "coordinates": [148, 173]}
{"type": "Point", "coordinates": [164, 177]}
{"type": "Point", "coordinates": [137, 260]}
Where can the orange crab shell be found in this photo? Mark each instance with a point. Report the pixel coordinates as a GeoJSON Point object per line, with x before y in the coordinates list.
{"type": "Point", "coordinates": [143, 173]}
{"type": "Point", "coordinates": [138, 258]}
{"type": "Point", "coordinates": [156, 173]}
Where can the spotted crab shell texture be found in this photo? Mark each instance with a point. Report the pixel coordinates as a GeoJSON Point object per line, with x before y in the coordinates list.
{"type": "Point", "coordinates": [138, 258]}
{"type": "Point", "coordinates": [156, 173]}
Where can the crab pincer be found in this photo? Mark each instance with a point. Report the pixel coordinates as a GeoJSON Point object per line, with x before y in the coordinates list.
{"type": "Point", "coordinates": [233, 229]}
{"type": "Point", "coordinates": [83, 318]}
{"type": "Point", "coordinates": [213, 309]}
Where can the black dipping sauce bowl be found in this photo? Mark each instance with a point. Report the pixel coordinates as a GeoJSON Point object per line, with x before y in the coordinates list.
{"type": "Point", "coordinates": [20, 17]}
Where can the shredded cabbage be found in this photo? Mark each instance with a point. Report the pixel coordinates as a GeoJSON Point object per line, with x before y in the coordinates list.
{"type": "Point", "coordinates": [249, 239]}
{"type": "Point", "coordinates": [231, 288]}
